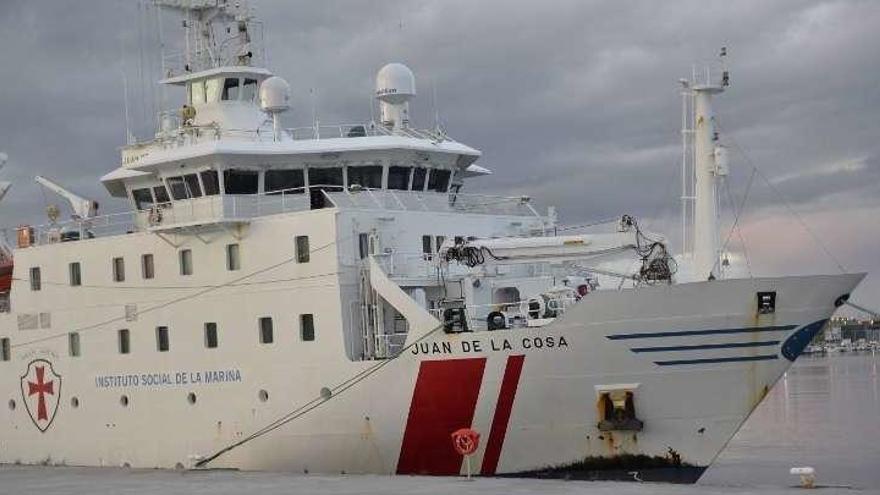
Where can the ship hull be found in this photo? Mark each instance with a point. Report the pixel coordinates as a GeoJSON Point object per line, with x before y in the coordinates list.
{"type": "Point", "coordinates": [698, 358]}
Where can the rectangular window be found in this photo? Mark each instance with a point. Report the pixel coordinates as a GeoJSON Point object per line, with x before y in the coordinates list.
{"type": "Point", "coordinates": [285, 181]}
{"type": "Point", "coordinates": [143, 198]}
{"type": "Point", "coordinates": [118, 269]}
{"type": "Point", "coordinates": [398, 178]}
{"type": "Point", "coordinates": [186, 262]}
{"type": "Point", "coordinates": [363, 245]}
{"type": "Point", "coordinates": [193, 189]}
{"type": "Point", "coordinates": [439, 180]}
{"type": "Point", "coordinates": [210, 182]}
{"type": "Point", "coordinates": [75, 274]}
{"type": "Point", "coordinates": [427, 248]}
{"type": "Point", "coordinates": [233, 262]}
{"type": "Point", "coordinates": [241, 181]}
{"type": "Point", "coordinates": [368, 176]}
{"type": "Point", "coordinates": [211, 335]}
{"type": "Point", "coordinates": [302, 249]}
{"type": "Point", "coordinates": [5, 349]}
{"type": "Point", "coordinates": [124, 341]}
{"type": "Point", "coordinates": [36, 282]}
{"type": "Point", "coordinates": [162, 343]}
{"type": "Point", "coordinates": [147, 269]}
{"type": "Point", "coordinates": [440, 240]}
{"type": "Point", "coordinates": [161, 195]}
{"type": "Point", "coordinates": [230, 88]}
{"type": "Point", "coordinates": [249, 90]}
{"type": "Point", "coordinates": [418, 179]}
{"type": "Point", "coordinates": [73, 344]}
{"type": "Point", "coordinates": [177, 187]}
{"type": "Point", "coordinates": [266, 330]}
{"type": "Point", "coordinates": [307, 327]}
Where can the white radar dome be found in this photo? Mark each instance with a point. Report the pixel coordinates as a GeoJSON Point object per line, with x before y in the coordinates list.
{"type": "Point", "coordinates": [395, 84]}
{"type": "Point", "coordinates": [274, 95]}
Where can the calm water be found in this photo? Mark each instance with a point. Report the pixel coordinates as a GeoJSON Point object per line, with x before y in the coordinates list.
{"type": "Point", "coordinates": [824, 413]}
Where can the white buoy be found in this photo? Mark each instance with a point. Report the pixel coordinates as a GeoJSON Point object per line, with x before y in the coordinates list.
{"type": "Point", "coordinates": [807, 474]}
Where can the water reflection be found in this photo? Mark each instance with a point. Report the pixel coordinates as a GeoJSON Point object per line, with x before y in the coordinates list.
{"type": "Point", "coordinates": [825, 413]}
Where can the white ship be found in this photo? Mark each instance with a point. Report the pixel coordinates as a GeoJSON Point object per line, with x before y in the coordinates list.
{"type": "Point", "coordinates": [331, 300]}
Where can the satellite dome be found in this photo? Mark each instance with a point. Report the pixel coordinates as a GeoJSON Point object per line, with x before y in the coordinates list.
{"type": "Point", "coordinates": [395, 84]}
{"type": "Point", "coordinates": [274, 95]}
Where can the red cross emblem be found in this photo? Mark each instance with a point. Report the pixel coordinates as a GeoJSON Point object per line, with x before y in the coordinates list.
{"type": "Point", "coordinates": [41, 392]}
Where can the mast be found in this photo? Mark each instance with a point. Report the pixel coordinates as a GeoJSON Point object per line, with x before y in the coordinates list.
{"type": "Point", "coordinates": [709, 168]}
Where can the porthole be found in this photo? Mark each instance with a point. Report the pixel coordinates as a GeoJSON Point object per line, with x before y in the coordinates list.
{"type": "Point", "coordinates": [74, 402]}
{"type": "Point", "coordinates": [12, 404]}
{"type": "Point", "coordinates": [124, 401]}
{"type": "Point", "coordinates": [264, 396]}
{"type": "Point", "coordinates": [191, 398]}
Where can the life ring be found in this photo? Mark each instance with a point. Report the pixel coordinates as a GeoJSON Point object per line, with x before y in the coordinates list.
{"type": "Point", "coordinates": [465, 441]}
{"type": "Point", "coordinates": [583, 290]}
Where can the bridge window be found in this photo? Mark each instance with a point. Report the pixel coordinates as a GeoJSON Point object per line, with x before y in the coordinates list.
{"type": "Point", "coordinates": [307, 327]}
{"type": "Point", "coordinates": [161, 195]}
{"type": "Point", "coordinates": [241, 181]}
{"type": "Point", "coordinates": [249, 90]}
{"type": "Point", "coordinates": [230, 89]}
{"type": "Point", "coordinates": [124, 337]}
{"type": "Point", "coordinates": [418, 179]}
{"type": "Point", "coordinates": [184, 187]}
{"type": "Point", "coordinates": [439, 180]}
{"type": "Point", "coordinates": [118, 269]}
{"type": "Point", "coordinates": [186, 262]}
{"type": "Point", "coordinates": [323, 179]}
{"type": "Point", "coordinates": [211, 340]}
{"type": "Point", "coordinates": [5, 349]}
{"type": "Point", "coordinates": [35, 279]}
{"type": "Point", "coordinates": [266, 330]}
{"type": "Point", "coordinates": [369, 176]}
{"type": "Point", "coordinates": [398, 178]}
{"type": "Point", "coordinates": [147, 269]}
{"type": "Point", "coordinates": [286, 181]}
{"type": "Point", "coordinates": [143, 198]}
{"type": "Point", "coordinates": [210, 182]}
{"type": "Point", "coordinates": [302, 249]}
{"type": "Point", "coordinates": [192, 185]}
{"type": "Point", "coordinates": [75, 274]}
{"type": "Point", "coordinates": [73, 344]}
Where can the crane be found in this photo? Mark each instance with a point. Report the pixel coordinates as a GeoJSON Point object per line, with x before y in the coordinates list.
{"type": "Point", "coordinates": [83, 208]}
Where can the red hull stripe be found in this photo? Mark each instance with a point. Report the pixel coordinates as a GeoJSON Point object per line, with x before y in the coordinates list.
{"type": "Point", "coordinates": [509, 384]}
{"type": "Point", "coordinates": [444, 400]}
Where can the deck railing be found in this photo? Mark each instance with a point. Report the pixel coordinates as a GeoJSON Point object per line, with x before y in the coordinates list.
{"type": "Point", "coordinates": [243, 207]}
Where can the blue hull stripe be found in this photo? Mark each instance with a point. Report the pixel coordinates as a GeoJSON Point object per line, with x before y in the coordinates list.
{"type": "Point", "coordinates": [763, 357]}
{"type": "Point", "coordinates": [685, 333]}
{"type": "Point", "coordinates": [733, 345]}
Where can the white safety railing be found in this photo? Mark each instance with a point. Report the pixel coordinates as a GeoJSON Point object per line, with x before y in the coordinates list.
{"type": "Point", "coordinates": [242, 207]}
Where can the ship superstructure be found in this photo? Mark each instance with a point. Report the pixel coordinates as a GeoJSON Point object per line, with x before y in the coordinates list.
{"type": "Point", "coordinates": [329, 299]}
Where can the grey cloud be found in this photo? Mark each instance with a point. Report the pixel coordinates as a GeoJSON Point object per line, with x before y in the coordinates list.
{"type": "Point", "coordinates": [572, 102]}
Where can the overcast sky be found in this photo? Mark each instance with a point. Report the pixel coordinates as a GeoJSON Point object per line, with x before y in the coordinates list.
{"type": "Point", "coordinates": [575, 103]}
